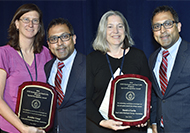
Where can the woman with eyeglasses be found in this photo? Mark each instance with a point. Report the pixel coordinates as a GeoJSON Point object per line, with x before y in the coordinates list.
{"type": "Point", "coordinates": [22, 59]}
{"type": "Point", "coordinates": [113, 56]}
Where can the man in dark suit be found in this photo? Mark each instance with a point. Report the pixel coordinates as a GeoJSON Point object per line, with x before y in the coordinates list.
{"type": "Point", "coordinates": [71, 110]}
{"type": "Point", "coordinates": [171, 93]}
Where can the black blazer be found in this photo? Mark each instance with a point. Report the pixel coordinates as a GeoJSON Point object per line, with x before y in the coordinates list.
{"type": "Point", "coordinates": [174, 106]}
{"type": "Point", "coordinates": [71, 114]}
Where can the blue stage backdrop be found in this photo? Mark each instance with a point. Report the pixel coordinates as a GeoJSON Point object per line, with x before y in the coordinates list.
{"type": "Point", "coordinates": [84, 15]}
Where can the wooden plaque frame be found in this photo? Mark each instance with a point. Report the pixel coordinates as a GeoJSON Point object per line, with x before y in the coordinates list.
{"type": "Point", "coordinates": [36, 104]}
{"type": "Point", "coordinates": [130, 99]}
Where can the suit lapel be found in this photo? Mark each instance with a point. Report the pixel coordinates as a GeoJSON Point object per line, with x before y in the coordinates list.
{"type": "Point", "coordinates": [152, 64]}
{"type": "Point", "coordinates": [178, 65]}
{"type": "Point", "coordinates": [73, 78]}
{"type": "Point", "coordinates": [48, 67]}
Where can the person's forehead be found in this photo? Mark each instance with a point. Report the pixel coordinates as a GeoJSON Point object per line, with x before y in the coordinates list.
{"type": "Point", "coordinates": [162, 17]}
{"type": "Point", "coordinates": [31, 14]}
{"type": "Point", "coordinates": [114, 18]}
{"type": "Point", "coordinates": [58, 29]}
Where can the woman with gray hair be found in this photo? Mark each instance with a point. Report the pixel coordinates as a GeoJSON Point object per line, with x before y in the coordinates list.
{"type": "Point", "coordinates": [113, 56]}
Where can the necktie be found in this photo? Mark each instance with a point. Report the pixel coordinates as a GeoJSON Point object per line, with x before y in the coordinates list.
{"type": "Point", "coordinates": [163, 76]}
{"type": "Point", "coordinates": [58, 78]}
{"type": "Point", "coordinates": [163, 72]}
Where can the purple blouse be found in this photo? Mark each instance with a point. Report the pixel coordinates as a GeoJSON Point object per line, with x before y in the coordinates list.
{"type": "Point", "coordinates": [17, 73]}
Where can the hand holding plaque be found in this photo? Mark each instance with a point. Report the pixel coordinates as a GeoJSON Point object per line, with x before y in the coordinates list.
{"type": "Point", "coordinates": [130, 99]}
{"type": "Point", "coordinates": [36, 104]}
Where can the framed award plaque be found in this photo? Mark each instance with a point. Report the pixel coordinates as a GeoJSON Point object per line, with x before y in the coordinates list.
{"type": "Point", "coordinates": [36, 104]}
{"type": "Point", "coordinates": [130, 99]}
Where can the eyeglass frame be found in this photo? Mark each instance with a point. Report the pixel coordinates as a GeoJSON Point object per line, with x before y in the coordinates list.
{"type": "Point", "coordinates": [30, 21]}
{"type": "Point", "coordinates": [163, 24]}
{"type": "Point", "coordinates": [70, 34]}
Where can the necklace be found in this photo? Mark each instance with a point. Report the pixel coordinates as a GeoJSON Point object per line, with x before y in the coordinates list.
{"type": "Point", "coordinates": [27, 66]}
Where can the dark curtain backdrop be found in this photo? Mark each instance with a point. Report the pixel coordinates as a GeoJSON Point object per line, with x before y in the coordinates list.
{"type": "Point", "coordinates": [84, 15]}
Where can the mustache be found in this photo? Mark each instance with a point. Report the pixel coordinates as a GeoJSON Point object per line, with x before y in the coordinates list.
{"type": "Point", "coordinates": [61, 46]}
{"type": "Point", "coordinates": [164, 35]}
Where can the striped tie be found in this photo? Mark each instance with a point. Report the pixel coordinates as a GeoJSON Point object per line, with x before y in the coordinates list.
{"type": "Point", "coordinates": [58, 78]}
{"type": "Point", "coordinates": [163, 76]}
{"type": "Point", "coordinates": [163, 72]}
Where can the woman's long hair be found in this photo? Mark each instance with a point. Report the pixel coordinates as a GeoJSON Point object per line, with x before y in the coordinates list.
{"type": "Point", "coordinates": [100, 42]}
{"type": "Point", "coordinates": [14, 33]}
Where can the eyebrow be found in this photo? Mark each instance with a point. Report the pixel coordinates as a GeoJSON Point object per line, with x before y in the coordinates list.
{"type": "Point", "coordinates": [65, 33]}
{"type": "Point", "coordinates": [117, 24]}
{"type": "Point", "coordinates": [165, 21]}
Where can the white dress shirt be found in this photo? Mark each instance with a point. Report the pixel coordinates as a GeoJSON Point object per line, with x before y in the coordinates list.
{"type": "Point", "coordinates": [66, 71]}
{"type": "Point", "coordinates": [171, 59]}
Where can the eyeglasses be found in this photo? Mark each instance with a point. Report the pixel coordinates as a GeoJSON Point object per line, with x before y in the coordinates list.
{"type": "Point", "coordinates": [64, 37]}
{"type": "Point", "coordinates": [167, 25]}
{"type": "Point", "coordinates": [27, 21]}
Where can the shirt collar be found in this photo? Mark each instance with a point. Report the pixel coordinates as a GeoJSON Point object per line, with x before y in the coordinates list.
{"type": "Point", "coordinates": [69, 60]}
{"type": "Point", "coordinates": [173, 50]}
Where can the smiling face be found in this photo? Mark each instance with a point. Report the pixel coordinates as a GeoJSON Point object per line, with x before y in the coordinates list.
{"type": "Point", "coordinates": [62, 49]}
{"type": "Point", "coordinates": [115, 30]}
{"type": "Point", "coordinates": [166, 37]}
{"type": "Point", "coordinates": [28, 30]}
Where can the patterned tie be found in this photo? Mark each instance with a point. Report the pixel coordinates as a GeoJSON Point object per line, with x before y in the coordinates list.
{"type": "Point", "coordinates": [58, 78]}
{"type": "Point", "coordinates": [163, 76]}
{"type": "Point", "coordinates": [163, 72]}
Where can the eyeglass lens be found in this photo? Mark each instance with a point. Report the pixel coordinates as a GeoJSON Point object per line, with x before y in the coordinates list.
{"type": "Point", "coordinates": [167, 25]}
{"type": "Point", "coordinates": [63, 37]}
{"type": "Point", "coordinates": [27, 20]}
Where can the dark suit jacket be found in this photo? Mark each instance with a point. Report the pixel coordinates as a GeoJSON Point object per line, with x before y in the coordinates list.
{"type": "Point", "coordinates": [174, 106]}
{"type": "Point", "coordinates": [71, 115]}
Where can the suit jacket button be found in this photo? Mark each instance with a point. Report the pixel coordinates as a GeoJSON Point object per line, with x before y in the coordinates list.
{"type": "Point", "coordinates": [163, 101]}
